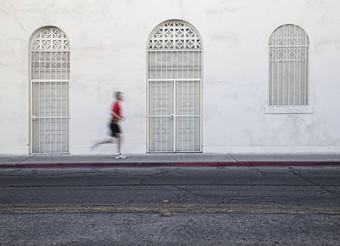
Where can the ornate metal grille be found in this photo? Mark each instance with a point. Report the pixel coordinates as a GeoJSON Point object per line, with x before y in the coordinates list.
{"type": "Point", "coordinates": [50, 74]}
{"type": "Point", "coordinates": [174, 35]}
{"type": "Point", "coordinates": [288, 67]}
{"type": "Point", "coordinates": [174, 88]}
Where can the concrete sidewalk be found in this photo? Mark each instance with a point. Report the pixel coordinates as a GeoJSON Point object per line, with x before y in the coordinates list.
{"type": "Point", "coordinates": [176, 159]}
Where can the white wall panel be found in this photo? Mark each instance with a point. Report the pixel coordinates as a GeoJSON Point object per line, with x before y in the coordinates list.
{"type": "Point", "coordinates": [108, 52]}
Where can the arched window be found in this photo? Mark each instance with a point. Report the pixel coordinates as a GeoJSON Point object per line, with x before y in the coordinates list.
{"type": "Point", "coordinates": [288, 67]}
{"type": "Point", "coordinates": [49, 79]}
{"type": "Point", "coordinates": [174, 73]}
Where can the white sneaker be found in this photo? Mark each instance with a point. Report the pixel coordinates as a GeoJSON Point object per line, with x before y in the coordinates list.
{"type": "Point", "coordinates": [94, 146]}
{"type": "Point", "coordinates": [120, 156]}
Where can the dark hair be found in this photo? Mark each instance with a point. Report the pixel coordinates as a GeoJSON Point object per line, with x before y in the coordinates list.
{"type": "Point", "coordinates": [117, 93]}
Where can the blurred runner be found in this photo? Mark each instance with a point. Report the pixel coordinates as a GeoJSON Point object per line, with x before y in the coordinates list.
{"type": "Point", "coordinates": [116, 132]}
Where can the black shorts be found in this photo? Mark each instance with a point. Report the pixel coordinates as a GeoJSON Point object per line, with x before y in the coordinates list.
{"type": "Point", "coordinates": [114, 129]}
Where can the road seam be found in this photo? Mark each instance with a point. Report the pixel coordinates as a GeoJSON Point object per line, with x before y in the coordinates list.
{"type": "Point", "coordinates": [173, 208]}
{"type": "Point", "coordinates": [310, 181]}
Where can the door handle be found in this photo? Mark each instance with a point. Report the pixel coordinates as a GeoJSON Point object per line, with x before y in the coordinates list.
{"type": "Point", "coordinates": [34, 117]}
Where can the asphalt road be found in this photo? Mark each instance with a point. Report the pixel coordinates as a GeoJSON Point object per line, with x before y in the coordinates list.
{"type": "Point", "coordinates": [170, 206]}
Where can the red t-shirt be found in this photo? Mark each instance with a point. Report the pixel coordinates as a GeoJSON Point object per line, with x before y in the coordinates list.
{"type": "Point", "coordinates": [116, 109]}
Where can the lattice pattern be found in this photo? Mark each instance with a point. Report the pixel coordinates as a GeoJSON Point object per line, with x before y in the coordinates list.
{"type": "Point", "coordinates": [288, 67]}
{"type": "Point", "coordinates": [188, 98]}
{"type": "Point", "coordinates": [50, 73]}
{"type": "Point", "coordinates": [51, 140]}
{"type": "Point", "coordinates": [174, 73]}
{"type": "Point", "coordinates": [50, 38]}
{"type": "Point", "coordinates": [288, 54]}
{"type": "Point", "coordinates": [50, 64]}
{"type": "Point", "coordinates": [187, 134]}
{"type": "Point", "coordinates": [182, 64]}
{"type": "Point", "coordinates": [288, 35]}
{"type": "Point", "coordinates": [161, 134]}
{"type": "Point", "coordinates": [51, 99]}
{"type": "Point", "coordinates": [51, 124]}
{"type": "Point", "coordinates": [174, 35]}
{"type": "Point", "coordinates": [161, 93]}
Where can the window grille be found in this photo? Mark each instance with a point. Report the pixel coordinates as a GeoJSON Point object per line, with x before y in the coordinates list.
{"type": "Point", "coordinates": [288, 67]}
{"type": "Point", "coordinates": [174, 88]}
{"type": "Point", "coordinates": [49, 76]}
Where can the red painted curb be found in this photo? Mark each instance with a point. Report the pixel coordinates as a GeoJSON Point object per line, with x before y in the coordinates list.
{"type": "Point", "coordinates": [289, 163]}
{"type": "Point", "coordinates": [116, 164]}
{"type": "Point", "coordinates": [165, 164]}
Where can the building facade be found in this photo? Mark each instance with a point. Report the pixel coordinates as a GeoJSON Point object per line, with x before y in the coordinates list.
{"type": "Point", "coordinates": [197, 76]}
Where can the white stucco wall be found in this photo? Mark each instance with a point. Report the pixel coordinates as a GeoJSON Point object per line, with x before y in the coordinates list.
{"type": "Point", "coordinates": [108, 52]}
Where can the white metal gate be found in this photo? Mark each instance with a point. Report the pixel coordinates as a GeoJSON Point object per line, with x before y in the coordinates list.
{"type": "Point", "coordinates": [50, 74]}
{"type": "Point", "coordinates": [288, 67]}
{"type": "Point", "coordinates": [174, 89]}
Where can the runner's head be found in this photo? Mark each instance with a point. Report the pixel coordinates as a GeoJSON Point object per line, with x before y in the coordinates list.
{"type": "Point", "coordinates": [119, 95]}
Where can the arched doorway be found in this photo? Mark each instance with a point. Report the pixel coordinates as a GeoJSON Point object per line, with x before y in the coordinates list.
{"type": "Point", "coordinates": [174, 87]}
{"type": "Point", "coordinates": [49, 86]}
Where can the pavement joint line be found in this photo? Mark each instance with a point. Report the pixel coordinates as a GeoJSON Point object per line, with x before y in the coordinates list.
{"type": "Point", "coordinates": [233, 158]}
{"type": "Point", "coordinates": [30, 157]}
{"type": "Point", "coordinates": [178, 207]}
{"type": "Point", "coordinates": [310, 181]}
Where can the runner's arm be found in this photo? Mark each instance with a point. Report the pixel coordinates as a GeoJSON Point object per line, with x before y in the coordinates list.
{"type": "Point", "coordinates": [115, 115]}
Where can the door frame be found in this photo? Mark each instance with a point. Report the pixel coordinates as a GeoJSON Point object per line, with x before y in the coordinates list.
{"type": "Point", "coordinates": [30, 96]}
{"type": "Point", "coordinates": [201, 79]}
{"type": "Point", "coordinates": [174, 81]}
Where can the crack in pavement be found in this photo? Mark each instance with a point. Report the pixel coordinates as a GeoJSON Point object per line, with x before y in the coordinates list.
{"type": "Point", "coordinates": [310, 181]}
{"type": "Point", "coordinates": [193, 193]}
{"type": "Point", "coordinates": [237, 162]}
{"type": "Point", "coordinates": [120, 173]}
{"type": "Point", "coordinates": [262, 173]}
{"type": "Point", "coordinates": [178, 195]}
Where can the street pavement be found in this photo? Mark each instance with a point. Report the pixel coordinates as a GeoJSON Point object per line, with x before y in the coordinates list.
{"type": "Point", "coordinates": [171, 205]}
{"type": "Point", "coordinates": [175, 159]}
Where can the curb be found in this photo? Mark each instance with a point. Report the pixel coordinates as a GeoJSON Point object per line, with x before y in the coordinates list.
{"type": "Point", "coordinates": [172, 164]}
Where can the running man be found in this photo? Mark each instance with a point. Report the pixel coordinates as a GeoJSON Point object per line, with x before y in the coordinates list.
{"type": "Point", "coordinates": [116, 132]}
